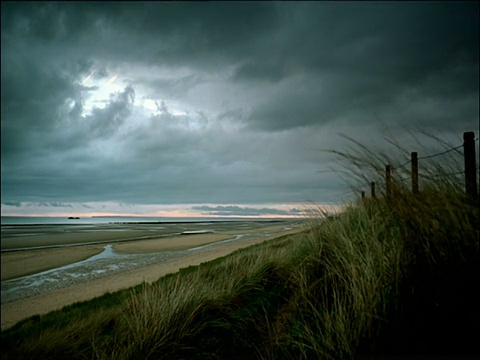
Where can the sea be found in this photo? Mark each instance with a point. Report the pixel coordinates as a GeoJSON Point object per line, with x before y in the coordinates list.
{"type": "Point", "coordinates": [50, 220]}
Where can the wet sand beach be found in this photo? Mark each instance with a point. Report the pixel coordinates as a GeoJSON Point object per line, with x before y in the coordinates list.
{"type": "Point", "coordinates": [53, 268]}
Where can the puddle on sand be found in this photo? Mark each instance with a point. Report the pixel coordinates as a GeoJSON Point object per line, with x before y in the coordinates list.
{"type": "Point", "coordinates": [53, 276]}
{"type": "Point", "coordinates": [106, 263]}
{"type": "Point", "coordinates": [216, 243]}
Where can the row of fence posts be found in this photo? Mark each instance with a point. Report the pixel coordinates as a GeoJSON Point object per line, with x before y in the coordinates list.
{"type": "Point", "coordinates": [470, 170]}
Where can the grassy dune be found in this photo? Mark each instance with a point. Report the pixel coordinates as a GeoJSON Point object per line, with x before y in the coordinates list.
{"type": "Point", "coordinates": [396, 277]}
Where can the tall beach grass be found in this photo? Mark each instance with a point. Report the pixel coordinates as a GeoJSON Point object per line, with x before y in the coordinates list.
{"type": "Point", "coordinates": [394, 276]}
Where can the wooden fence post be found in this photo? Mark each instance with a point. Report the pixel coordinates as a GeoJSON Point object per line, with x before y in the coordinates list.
{"type": "Point", "coordinates": [363, 195]}
{"type": "Point", "coordinates": [470, 164]}
{"type": "Point", "coordinates": [414, 173]}
{"type": "Point", "coordinates": [388, 180]}
{"type": "Point", "coordinates": [372, 189]}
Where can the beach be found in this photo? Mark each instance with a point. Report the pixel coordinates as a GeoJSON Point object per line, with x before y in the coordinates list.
{"type": "Point", "coordinates": [46, 268]}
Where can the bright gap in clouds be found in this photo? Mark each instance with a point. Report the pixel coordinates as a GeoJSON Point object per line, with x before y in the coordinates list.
{"type": "Point", "coordinates": [101, 90]}
{"type": "Point", "coordinates": [151, 105]}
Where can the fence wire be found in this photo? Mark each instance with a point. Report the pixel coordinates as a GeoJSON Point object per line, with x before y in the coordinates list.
{"type": "Point", "coordinates": [434, 177]}
{"type": "Point", "coordinates": [436, 154]}
{"type": "Point", "coordinates": [403, 179]}
{"type": "Point", "coordinates": [442, 152]}
{"type": "Point", "coordinates": [405, 163]}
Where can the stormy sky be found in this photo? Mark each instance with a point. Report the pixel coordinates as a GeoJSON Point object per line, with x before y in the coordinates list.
{"type": "Point", "coordinates": [223, 108]}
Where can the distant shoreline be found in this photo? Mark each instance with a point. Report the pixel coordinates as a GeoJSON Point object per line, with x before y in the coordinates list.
{"type": "Point", "coordinates": [17, 237]}
{"type": "Point", "coordinates": [118, 220]}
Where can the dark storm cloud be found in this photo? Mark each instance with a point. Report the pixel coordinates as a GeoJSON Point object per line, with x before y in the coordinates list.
{"type": "Point", "coordinates": [246, 94]}
{"type": "Point", "coordinates": [31, 96]}
{"type": "Point", "coordinates": [351, 56]}
{"type": "Point", "coordinates": [273, 71]}
{"type": "Point", "coordinates": [161, 32]}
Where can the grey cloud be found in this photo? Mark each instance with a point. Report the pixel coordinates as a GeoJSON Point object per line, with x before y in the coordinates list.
{"type": "Point", "coordinates": [77, 131]}
{"type": "Point", "coordinates": [261, 71]}
{"type": "Point", "coordinates": [52, 22]}
{"type": "Point", "coordinates": [294, 106]}
{"type": "Point", "coordinates": [166, 138]}
{"type": "Point", "coordinates": [244, 211]}
{"type": "Point", "coordinates": [104, 121]}
{"type": "Point", "coordinates": [178, 86]}
{"type": "Point", "coordinates": [13, 203]}
{"type": "Point", "coordinates": [56, 204]}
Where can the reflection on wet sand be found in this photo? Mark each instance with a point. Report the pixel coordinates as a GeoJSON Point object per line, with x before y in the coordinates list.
{"type": "Point", "coordinates": [29, 274]}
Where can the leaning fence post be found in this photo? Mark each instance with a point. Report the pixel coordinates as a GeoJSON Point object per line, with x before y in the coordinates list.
{"type": "Point", "coordinates": [470, 164]}
{"type": "Point", "coordinates": [372, 189]}
{"type": "Point", "coordinates": [388, 180]}
{"type": "Point", "coordinates": [414, 172]}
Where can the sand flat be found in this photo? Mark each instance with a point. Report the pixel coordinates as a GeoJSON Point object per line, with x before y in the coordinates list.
{"type": "Point", "coordinates": [27, 261]}
{"type": "Point", "coordinates": [72, 238]}
{"type": "Point", "coordinates": [168, 244]}
{"type": "Point", "coordinates": [15, 311]}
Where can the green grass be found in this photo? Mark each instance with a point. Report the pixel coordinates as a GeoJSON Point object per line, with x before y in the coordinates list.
{"type": "Point", "coordinates": [386, 277]}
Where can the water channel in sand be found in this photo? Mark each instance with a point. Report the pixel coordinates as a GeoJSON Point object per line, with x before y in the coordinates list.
{"type": "Point", "coordinates": [39, 281]}
{"type": "Point", "coordinates": [103, 264]}
{"type": "Point", "coordinates": [58, 265]}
